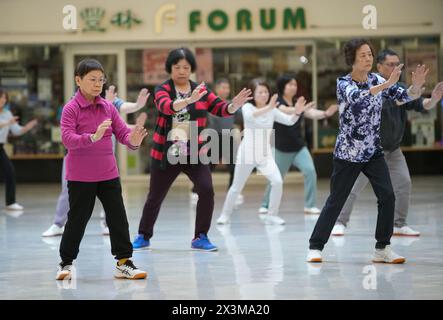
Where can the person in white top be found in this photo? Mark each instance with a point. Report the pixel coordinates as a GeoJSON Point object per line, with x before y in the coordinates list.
{"type": "Point", "coordinates": [9, 124]}
{"type": "Point", "coordinates": [255, 149]}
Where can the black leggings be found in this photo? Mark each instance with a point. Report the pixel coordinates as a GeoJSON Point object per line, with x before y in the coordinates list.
{"type": "Point", "coordinates": [9, 176]}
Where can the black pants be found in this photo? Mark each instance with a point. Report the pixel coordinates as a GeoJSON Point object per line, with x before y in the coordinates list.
{"type": "Point", "coordinates": [343, 177]}
{"type": "Point", "coordinates": [160, 183]}
{"type": "Point", "coordinates": [9, 176]}
{"type": "Point", "coordinates": [81, 203]}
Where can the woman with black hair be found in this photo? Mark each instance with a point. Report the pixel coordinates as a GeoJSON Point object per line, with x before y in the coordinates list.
{"type": "Point", "coordinates": [182, 108]}
{"type": "Point", "coordinates": [62, 208]}
{"type": "Point", "coordinates": [255, 149]}
{"type": "Point", "coordinates": [358, 147]}
{"type": "Point", "coordinates": [9, 123]}
{"type": "Point", "coordinates": [87, 125]}
{"type": "Point", "coordinates": [290, 146]}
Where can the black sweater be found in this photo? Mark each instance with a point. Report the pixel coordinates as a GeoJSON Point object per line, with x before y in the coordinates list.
{"type": "Point", "coordinates": [393, 122]}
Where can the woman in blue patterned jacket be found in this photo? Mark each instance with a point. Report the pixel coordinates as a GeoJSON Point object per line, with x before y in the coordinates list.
{"type": "Point", "coordinates": [358, 148]}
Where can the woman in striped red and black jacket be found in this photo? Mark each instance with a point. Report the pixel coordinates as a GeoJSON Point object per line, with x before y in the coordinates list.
{"type": "Point", "coordinates": [177, 144]}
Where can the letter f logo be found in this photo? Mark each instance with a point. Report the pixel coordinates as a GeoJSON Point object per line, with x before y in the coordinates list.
{"type": "Point", "coordinates": [167, 14]}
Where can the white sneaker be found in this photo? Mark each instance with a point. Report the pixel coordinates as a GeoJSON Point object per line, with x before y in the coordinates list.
{"type": "Point", "coordinates": [105, 229]}
{"type": "Point", "coordinates": [312, 210]}
{"type": "Point", "coordinates": [406, 231]}
{"type": "Point", "coordinates": [263, 210]}
{"type": "Point", "coordinates": [386, 255]}
{"type": "Point", "coordinates": [14, 206]}
{"type": "Point", "coordinates": [314, 256]}
{"type": "Point", "coordinates": [193, 197]}
{"type": "Point", "coordinates": [338, 230]}
{"type": "Point", "coordinates": [224, 219]}
{"type": "Point", "coordinates": [53, 231]}
{"type": "Point", "coordinates": [129, 271]}
{"type": "Point", "coordinates": [64, 273]}
{"type": "Point", "coordinates": [272, 219]}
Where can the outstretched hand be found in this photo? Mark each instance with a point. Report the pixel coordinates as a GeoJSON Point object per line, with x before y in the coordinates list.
{"type": "Point", "coordinates": [110, 93]}
{"type": "Point", "coordinates": [198, 93]}
{"type": "Point", "coordinates": [333, 108]}
{"type": "Point", "coordinates": [240, 99]}
{"type": "Point", "coordinates": [31, 124]}
{"type": "Point", "coordinates": [142, 97]}
{"type": "Point", "coordinates": [273, 102]}
{"type": "Point", "coordinates": [437, 92]}
{"type": "Point", "coordinates": [102, 127]}
{"type": "Point", "coordinates": [395, 75]}
{"type": "Point", "coordinates": [419, 76]}
{"type": "Point", "coordinates": [137, 135]}
{"type": "Point", "coordinates": [301, 105]}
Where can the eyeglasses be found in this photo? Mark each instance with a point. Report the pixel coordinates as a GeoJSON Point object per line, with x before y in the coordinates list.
{"type": "Point", "coordinates": [94, 81]}
{"type": "Point", "coordinates": [392, 64]}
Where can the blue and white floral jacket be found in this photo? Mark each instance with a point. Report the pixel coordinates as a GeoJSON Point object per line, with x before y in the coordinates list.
{"type": "Point", "coordinates": [360, 116]}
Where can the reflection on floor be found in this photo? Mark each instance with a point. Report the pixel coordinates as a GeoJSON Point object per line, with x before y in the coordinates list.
{"type": "Point", "coordinates": [255, 261]}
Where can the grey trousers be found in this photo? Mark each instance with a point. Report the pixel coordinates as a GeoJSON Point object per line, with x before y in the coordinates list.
{"type": "Point", "coordinates": [61, 212]}
{"type": "Point", "coordinates": [401, 182]}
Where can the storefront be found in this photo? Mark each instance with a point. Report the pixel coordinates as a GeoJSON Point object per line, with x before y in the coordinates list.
{"type": "Point", "coordinates": [239, 40]}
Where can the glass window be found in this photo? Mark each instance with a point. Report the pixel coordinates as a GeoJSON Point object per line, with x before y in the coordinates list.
{"type": "Point", "coordinates": [33, 78]}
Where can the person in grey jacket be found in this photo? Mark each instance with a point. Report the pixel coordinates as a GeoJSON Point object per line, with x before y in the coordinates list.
{"type": "Point", "coordinates": [9, 123]}
{"type": "Point", "coordinates": [393, 123]}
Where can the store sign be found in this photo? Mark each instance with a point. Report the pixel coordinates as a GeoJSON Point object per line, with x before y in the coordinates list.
{"type": "Point", "coordinates": [218, 20]}
{"type": "Point", "coordinates": [93, 19]}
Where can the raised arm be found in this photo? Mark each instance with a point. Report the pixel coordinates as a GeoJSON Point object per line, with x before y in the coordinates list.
{"type": "Point", "coordinates": [321, 114]}
{"type": "Point", "coordinates": [269, 108]}
{"type": "Point", "coordinates": [163, 101]}
{"type": "Point", "coordinates": [131, 107]}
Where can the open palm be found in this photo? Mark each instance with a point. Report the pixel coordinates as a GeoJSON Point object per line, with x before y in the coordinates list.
{"type": "Point", "coordinates": [137, 135]}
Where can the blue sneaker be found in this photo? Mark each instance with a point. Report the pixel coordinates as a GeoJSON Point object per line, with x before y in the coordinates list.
{"type": "Point", "coordinates": [140, 243]}
{"type": "Point", "coordinates": [202, 243]}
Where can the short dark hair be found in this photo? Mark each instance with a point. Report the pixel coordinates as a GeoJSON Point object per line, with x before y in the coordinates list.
{"type": "Point", "coordinates": [221, 81]}
{"type": "Point", "coordinates": [351, 48]}
{"type": "Point", "coordinates": [254, 83]}
{"type": "Point", "coordinates": [176, 55]}
{"type": "Point", "coordinates": [381, 56]}
{"type": "Point", "coordinates": [4, 92]}
{"type": "Point", "coordinates": [87, 65]}
{"type": "Point", "coordinates": [282, 81]}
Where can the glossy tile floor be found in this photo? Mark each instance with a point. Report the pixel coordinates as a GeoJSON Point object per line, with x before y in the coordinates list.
{"type": "Point", "coordinates": [254, 261]}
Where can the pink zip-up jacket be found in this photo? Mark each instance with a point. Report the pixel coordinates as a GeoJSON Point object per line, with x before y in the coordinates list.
{"type": "Point", "coordinates": [89, 161]}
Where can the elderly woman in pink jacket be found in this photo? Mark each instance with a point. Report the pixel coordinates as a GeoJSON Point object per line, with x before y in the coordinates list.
{"type": "Point", "coordinates": [87, 124]}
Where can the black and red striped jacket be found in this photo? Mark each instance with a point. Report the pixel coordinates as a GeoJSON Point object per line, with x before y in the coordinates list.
{"type": "Point", "coordinates": [165, 95]}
